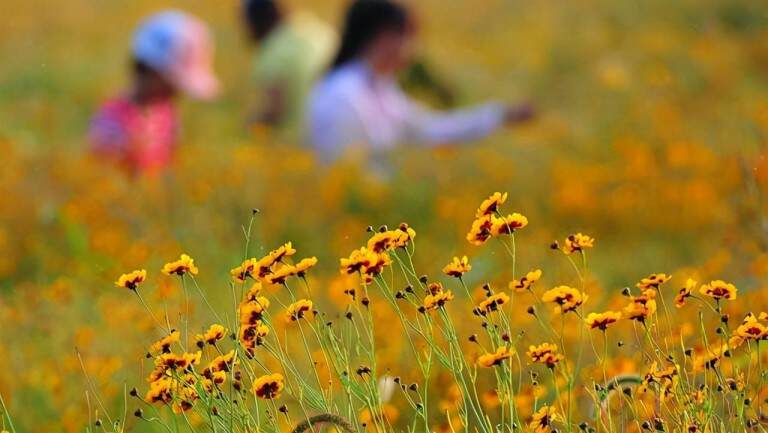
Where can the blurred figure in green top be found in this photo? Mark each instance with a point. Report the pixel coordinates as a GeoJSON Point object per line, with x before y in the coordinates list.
{"type": "Point", "coordinates": [294, 48]}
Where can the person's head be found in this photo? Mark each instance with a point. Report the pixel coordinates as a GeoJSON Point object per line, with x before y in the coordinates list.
{"type": "Point", "coordinates": [261, 17]}
{"type": "Point", "coordinates": [378, 31]}
{"type": "Point", "coordinates": [149, 84]}
{"type": "Point", "coordinates": [172, 52]}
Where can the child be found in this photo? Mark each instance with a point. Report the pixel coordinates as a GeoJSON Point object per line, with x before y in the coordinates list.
{"type": "Point", "coordinates": [171, 53]}
{"type": "Point", "coordinates": [360, 104]}
{"type": "Point", "coordinates": [294, 48]}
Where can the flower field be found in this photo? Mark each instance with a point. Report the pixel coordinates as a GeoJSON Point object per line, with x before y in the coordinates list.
{"type": "Point", "coordinates": [615, 283]}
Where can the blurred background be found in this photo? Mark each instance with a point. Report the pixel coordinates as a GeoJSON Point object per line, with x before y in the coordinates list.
{"type": "Point", "coordinates": [651, 137]}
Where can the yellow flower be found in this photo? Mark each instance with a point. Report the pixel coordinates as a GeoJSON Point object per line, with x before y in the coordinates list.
{"type": "Point", "coordinates": [185, 264]}
{"type": "Point", "coordinates": [491, 204]}
{"type": "Point", "coordinates": [251, 312]}
{"type": "Point", "coordinates": [489, 360]}
{"type": "Point", "coordinates": [545, 353]}
{"type": "Point", "coordinates": [299, 310]}
{"type": "Point", "coordinates": [358, 260]}
{"type": "Point", "coordinates": [493, 302]}
{"type": "Point", "coordinates": [653, 281]}
{"type": "Point", "coordinates": [281, 274]}
{"type": "Point", "coordinates": [750, 329]}
{"type": "Point", "coordinates": [641, 307]}
{"type": "Point", "coordinates": [245, 270]}
{"type": "Point", "coordinates": [665, 379]}
{"type": "Point", "coordinates": [602, 320]}
{"type": "Point", "coordinates": [387, 240]}
{"type": "Point", "coordinates": [268, 387]}
{"type": "Point", "coordinates": [132, 280]}
{"type": "Point", "coordinates": [567, 298]}
{"type": "Point", "coordinates": [223, 362]}
{"type": "Point", "coordinates": [541, 421]}
{"type": "Point", "coordinates": [457, 267]}
{"type": "Point", "coordinates": [160, 391]}
{"type": "Point", "coordinates": [577, 242]}
{"type": "Point", "coordinates": [252, 336]}
{"type": "Point", "coordinates": [172, 361]}
{"type": "Point", "coordinates": [212, 335]}
{"type": "Point", "coordinates": [508, 224]}
{"type": "Point", "coordinates": [719, 289]}
{"type": "Point", "coordinates": [277, 255]}
{"type": "Point", "coordinates": [480, 230]}
{"type": "Point", "coordinates": [435, 301]}
{"type": "Point", "coordinates": [525, 283]}
{"type": "Point", "coordinates": [410, 234]}
{"type": "Point", "coordinates": [685, 292]}
{"type": "Point", "coordinates": [163, 345]}
{"type": "Point", "coordinates": [304, 265]}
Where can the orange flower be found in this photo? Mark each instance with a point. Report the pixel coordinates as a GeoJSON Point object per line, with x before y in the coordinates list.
{"type": "Point", "coordinates": [489, 360]}
{"type": "Point", "coordinates": [545, 353]}
{"type": "Point", "coordinates": [185, 264]}
{"type": "Point", "coordinates": [491, 204]}
{"type": "Point", "coordinates": [526, 282]}
{"type": "Point", "coordinates": [567, 298]}
{"type": "Point", "coordinates": [719, 289]}
{"type": "Point", "coordinates": [602, 320]}
{"type": "Point", "coordinates": [268, 387]}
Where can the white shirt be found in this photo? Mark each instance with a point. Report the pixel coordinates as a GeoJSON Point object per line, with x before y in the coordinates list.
{"type": "Point", "coordinates": [352, 107]}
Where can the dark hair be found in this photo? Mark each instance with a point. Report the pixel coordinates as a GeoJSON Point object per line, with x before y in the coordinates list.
{"type": "Point", "coordinates": [262, 16]}
{"type": "Point", "coordinates": [365, 20]}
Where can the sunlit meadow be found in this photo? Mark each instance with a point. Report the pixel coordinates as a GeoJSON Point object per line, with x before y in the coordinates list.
{"type": "Point", "coordinates": [616, 285]}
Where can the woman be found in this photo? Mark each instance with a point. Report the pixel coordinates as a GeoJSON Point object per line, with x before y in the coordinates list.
{"type": "Point", "coordinates": [359, 103]}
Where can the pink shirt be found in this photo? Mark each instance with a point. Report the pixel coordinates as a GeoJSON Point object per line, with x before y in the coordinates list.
{"type": "Point", "coordinates": [142, 138]}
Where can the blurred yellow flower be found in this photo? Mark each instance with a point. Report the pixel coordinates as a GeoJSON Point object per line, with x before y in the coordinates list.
{"type": "Point", "coordinates": [304, 265]}
{"type": "Point", "coordinates": [653, 281]}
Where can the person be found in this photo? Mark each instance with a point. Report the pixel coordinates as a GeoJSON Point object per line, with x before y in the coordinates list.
{"type": "Point", "coordinates": [171, 53]}
{"type": "Point", "coordinates": [359, 104]}
{"type": "Point", "coordinates": [294, 48]}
